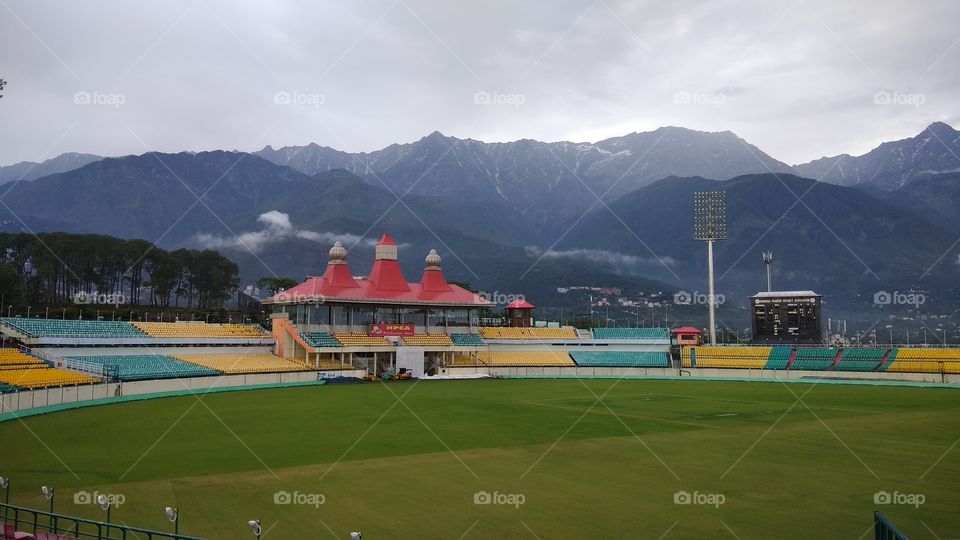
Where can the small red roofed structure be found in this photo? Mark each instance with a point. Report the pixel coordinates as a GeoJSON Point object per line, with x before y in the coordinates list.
{"type": "Point", "coordinates": [520, 313]}
{"type": "Point", "coordinates": [687, 335]}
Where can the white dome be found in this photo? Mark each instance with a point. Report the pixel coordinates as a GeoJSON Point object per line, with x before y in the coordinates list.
{"type": "Point", "coordinates": [338, 252]}
{"type": "Point", "coordinates": [433, 259]}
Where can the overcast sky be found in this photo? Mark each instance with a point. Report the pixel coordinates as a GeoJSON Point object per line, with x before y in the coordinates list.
{"type": "Point", "coordinates": [798, 79]}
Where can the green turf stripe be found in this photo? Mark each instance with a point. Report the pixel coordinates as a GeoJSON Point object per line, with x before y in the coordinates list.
{"type": "Point", "coordinates": [46, 409]}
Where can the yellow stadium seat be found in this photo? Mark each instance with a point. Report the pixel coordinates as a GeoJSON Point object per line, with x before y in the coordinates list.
{"type": "Point", "coordinates": [44, 378]}
{"type": "Point", "coordinates": [428, 340]}
{"type": "Point", "coordinates": [361, 340]}
{"type": "Point", "coordinates": [506, 332]}
{"type": "Point", "coordinates": [728, 357]}
{"type": "Point", "coordinates": [243, 363]}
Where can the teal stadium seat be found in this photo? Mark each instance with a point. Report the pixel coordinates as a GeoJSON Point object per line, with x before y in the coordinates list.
{"type": "Point", "coordinates": [814, 359]}
{"type": "Point", "coordinates": [860, 359]}
{"type": "Point", "coordinates": [73, 329]}
{"type": "Point", "coordinates": [779, 357]}
{"type": "Point", "coordinates": [635, 334]}
{"type": "Point", "coordinates": [148, 366]}
{"type": "Point", "coordinates": [466, 340]}
{"type": "Point", "coordinates": [320, 339]}
{"type": "Point", "coordinates": [620, 359]}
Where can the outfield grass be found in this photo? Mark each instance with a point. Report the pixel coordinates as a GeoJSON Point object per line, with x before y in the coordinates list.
{"type": "Point", "coordinates": [410, 468]}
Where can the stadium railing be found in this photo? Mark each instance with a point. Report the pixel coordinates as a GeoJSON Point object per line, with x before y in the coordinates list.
{"type": "Point", "coordinates": [883, 529]}
{"type": "Point", "coordinates": [39, 522]}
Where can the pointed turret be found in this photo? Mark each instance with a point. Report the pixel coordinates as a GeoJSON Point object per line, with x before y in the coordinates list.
{"type": "Point", "coordinates": [433, 279]}
{"type": "Point", "coordinates": [385, 274]}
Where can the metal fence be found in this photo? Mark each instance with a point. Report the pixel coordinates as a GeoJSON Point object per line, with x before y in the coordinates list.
{"type": "Point", "coordinates": [883, 529]}
{"type": "Point", "coordinates": [38, 521]}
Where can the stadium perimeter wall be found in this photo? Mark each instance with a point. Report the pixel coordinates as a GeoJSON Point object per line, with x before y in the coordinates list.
{"type": "Point", "coordinates": [710, 373]}
{"type": "Point", "coordinates": [21, 401]}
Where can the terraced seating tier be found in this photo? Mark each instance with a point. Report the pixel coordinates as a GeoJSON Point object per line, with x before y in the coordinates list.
{"type": "Point", "coordinates": [461, 359]}
{"type": "Point", "coordinates": [650, 334]}
{"type": "Point", "coordinates": [38, 365]}
{"type": "Point", "coordinates": [466, 340]}
{"type": "Point", "coordinates": [361, 340]}
{"type": "Point", "coordinates": [428, 340]}
{"type": "Point", "coordinates": [621, 359]}
{"type": "Point", "coordinates": [13, 357]}
{"type": "Point", "coordinates": [73, 329]}
{"type": "Point", "coordinates": [243, 363]}
{"type": "Point", "coordinates": [731, 357]}
{"type": "Point", "coordinates": [43, 378]}
{"type": "Point", "coordinates": [199, 330]}
{"type": "Point", "coordinates": [525, 358]}
{"type": "Point", "coordinates": [813, 359]}
{"type": "Point", "coordinates": [779, 358]}
{"type": "Point", "coordinates": [860, 359]}
{"type": "Point", "coordinates": [320, 339]}
{"type": "Point", "coordinates": [506, 332]}
{"type": "Point", "coordinates": [925, 360]}
{"type": "Point", "coordinates": [147, 366]}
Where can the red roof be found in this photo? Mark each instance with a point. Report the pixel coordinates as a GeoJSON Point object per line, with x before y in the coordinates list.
{"type": "Point", "coordinates": [385, 284]}
{"type": "Point", "coordinates": [687, 330]}
{"type": "Point", "coordinates": [520, 304]}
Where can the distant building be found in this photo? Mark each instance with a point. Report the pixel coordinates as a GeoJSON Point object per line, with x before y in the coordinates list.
{"type": "Point", "coordinates": [786, 317]}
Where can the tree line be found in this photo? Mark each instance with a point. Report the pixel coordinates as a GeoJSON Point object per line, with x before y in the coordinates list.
{"type": "Point", "coordinates": [54, 268]}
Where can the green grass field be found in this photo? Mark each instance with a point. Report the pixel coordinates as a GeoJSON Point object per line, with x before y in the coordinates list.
{"type": "Point", "coordinates": [405, 460]}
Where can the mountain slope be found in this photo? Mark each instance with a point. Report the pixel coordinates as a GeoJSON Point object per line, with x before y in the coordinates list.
{"type": "Point", "coordinates": [539, 180]}
{"type": "Point", "coordinates": [893, 164]}
{"type": "Point", "coordinates": [836, 239]}
{"type": "Point", "coordinates": [29, 170]}
{"type": "Point", "coordinates": [934, 198]}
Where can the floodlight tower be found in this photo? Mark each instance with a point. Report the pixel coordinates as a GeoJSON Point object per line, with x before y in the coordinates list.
{"type": "Point", "coordinates": [768, 262]}
{"type": "Point", "coordinates": [709, 225]}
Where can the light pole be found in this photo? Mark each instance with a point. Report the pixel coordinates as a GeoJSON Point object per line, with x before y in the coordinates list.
{"type": "Point", "coordinates": [5, 484]}
{"type": "Point", "coordinates": [105, 505]}
{"type": "Point", "coordinates": [64, 314]}
{"type": "Point", "coordinates": [173, 516]}
{"type": "Point", "coordinates": [768, 262]}
{"type": "Point", "coordinates": [709, 225]}
{"type": "Point", "coordinates": [28, 311]}
{"type": "Point", "coordinates": [49, 493]}
{"type": "Point", "coordinates": [255, 528]}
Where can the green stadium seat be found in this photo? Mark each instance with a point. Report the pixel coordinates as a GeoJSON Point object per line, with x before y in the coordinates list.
{"type": "Point", "coordinates": [466, 340]}
{"type": "Point", "coordinates": [814, 359]}
{"type": "Point", "coordinates": [320, 339]}
{"type": "Point", "coordinates": [779, 357]}
{"type": "Point", "coordinates": [147, 366]}
{"type": "Point", "coordinates": [73, 329]}
{"type": "Point", "coordinates": [620, 359]}
{"type": "Point", "coordinates": [860, 359]}
{"type": "Point", "coordinates": [633, 334]}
